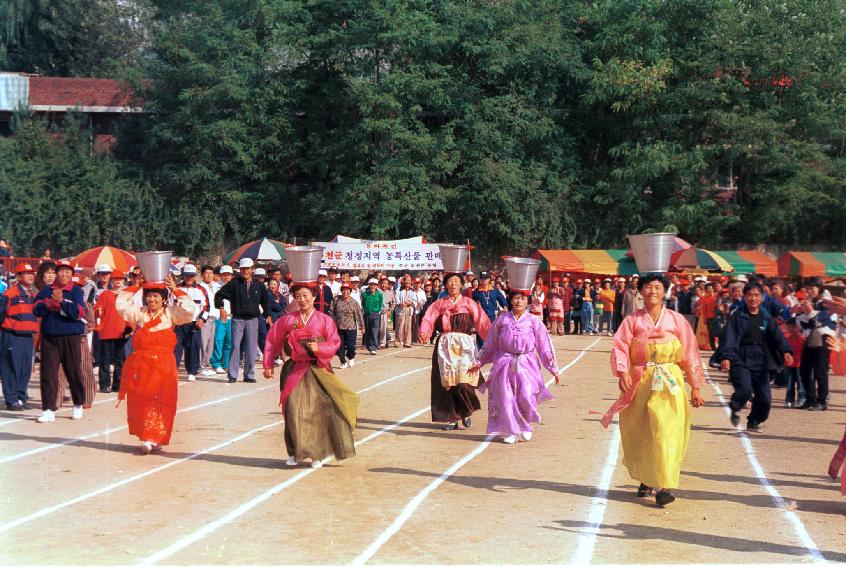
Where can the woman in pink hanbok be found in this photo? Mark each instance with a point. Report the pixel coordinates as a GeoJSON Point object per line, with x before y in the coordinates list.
{"type": "Point", "coordinates": [517, 345]}
{"type": "Point", "coordinates": [319, 409]}
{"type": "Point", "coordinates": [657, 361]}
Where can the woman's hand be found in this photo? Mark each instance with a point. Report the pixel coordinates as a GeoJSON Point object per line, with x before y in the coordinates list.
{"type": "Point", "coordinates": [475, 368]}
{"type": "Point", "coordinates": [788, 359]}
{"type": "Point", "coordinates": [312, 346]}
{"type": "Point", "coordinates": [725, 365]}
{"type": "Point", "coordinates": [696, 399]}
{"type": "Point", "coordinates": [268, 373]}
{"type": "Point", "coordinates": [557, 378]}
{"type": "Point", "coordinates": [170, 283]}
{"type": "Point", "coordinates": [625, 382]}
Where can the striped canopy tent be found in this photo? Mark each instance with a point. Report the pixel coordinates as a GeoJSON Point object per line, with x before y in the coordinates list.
{"type": "Point", "coordinates": [602, 262]}
{"type": "Point", "coordinates": [263, 250]}
{"type": "Point", "coordinates": [749, 261]}
{"type": "Point", "coordinates": [810, 264]}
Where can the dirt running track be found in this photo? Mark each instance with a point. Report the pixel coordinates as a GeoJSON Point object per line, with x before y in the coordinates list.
{"type": "Point", "coordinates": [82, 493]}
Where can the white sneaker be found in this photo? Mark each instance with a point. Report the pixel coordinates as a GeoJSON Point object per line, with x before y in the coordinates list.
{"type": "Point", "coordinates": [351, 362]}
{"type": "Point", "coordinates": [147, 447]}
{"type": "Point", "coordinates": [260, 356]}
{"type": "Point", "coordinates": [77, 412]}
{"type": "Point", "coordinates": [278, 362]}
{"type": "Point", "coordinates": [46, 416]}
{"type": "Point", "coordinates": [343, 365]}
{"type": "Point", "coordinates": [192, 378]}
{"type": "Point", "coordinates": [207, 372]}
{"type": "Point", "coordinates": [527, 435]}
{"type": "Point", "coordinates": [291, 462]}
{"type": "Point", "coordinates": [510, 439]}
{"type": "Point", "coordinates": [220, 370]}
{"type": "Point", "coordinates": [316, 464]}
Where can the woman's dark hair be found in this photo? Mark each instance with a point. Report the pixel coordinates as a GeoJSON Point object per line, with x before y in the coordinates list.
{"type": "Point", "coordinates": [42, 269]}
{"type": "Point", "coordinates": [297, 287]}
{"type": "Point", "coordinates": [448, 277]}
{"type": "Point", "coordinates": [653, 277]}
{"type": "Point", "coordinates": [753, 285]}
{"type": "Point", "coordinates": [514, 293]}
{"type": "Point", "coordinates": [815, 281]}
{"type": "Point", "coordinates": [162, 291]}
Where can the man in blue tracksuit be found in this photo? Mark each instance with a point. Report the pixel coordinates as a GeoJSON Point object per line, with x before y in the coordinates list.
{"type": "Point", "coordinates": [753, 340]}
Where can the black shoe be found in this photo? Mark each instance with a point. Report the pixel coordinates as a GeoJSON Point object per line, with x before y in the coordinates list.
{"type": "Point", "coordinates": [451, 426]}
{"type": "Point", "coordinates": [14, 407]}
{"type": "Point", "coordinates": [105, 390]}
{"type": "Point", "coordinates": [116, 388]}
{"type": "Point", "coordinates": [250, 380]}
{"type": "Point", "coordinates": [643, 490]}
{"type": "Point", "coordinates": [466, 422]}
{"type": "Point", "coordinates": [752, 426]}
{"type": "Point", "coordinates": [233, 380]}
{"type": "Point", "coordinates": [820, 407]}
{"type": "Point", "coordinates": [735, 419]}
{"type": "Point", "coordinates": [806, 405]}
{"type": "Point", "coordinates": [25, 405]}
{"type": "Point", "coordinates": [664, 497]}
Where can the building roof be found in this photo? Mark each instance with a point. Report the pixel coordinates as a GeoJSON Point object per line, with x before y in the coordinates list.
{"type": "Point", "coordinates": [59, 94]}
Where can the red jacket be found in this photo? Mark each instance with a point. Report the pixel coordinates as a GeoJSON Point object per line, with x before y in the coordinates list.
{"type": "Point", "coordinates": [111, 324]}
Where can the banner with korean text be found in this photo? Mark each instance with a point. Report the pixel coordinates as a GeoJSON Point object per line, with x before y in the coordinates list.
{"type": "Point", "coordinates": [380, 256]}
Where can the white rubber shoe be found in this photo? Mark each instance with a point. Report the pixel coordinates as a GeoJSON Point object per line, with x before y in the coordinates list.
{"type": "Point", "coordinates": [77, 412]}
{"type": "Point", "coordinates": [220, 370]}
{"type": "Point", "coordinates": [510, 439]}
{"type": "Point", "coordinates": [527, 435]}
{"type": "Point", "coordinates": [207, 372]}
{"type": "Point", "coordinates": [316, 464]}
{"type": "Point", "coordinates": [351, 362]}
{"type": "Point", "coordinates": [46, 416]}
{"type": "Point", "coordinates": [343, 365]}
{"type": "Point", "coordinates": [291, 462]}
{"type": "Point", "coordinates": [192, 378]}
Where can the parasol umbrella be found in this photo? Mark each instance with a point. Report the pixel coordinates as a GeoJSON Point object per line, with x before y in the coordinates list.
{"type": "Point", "coordinates": [264, 250]}
{"type": "Point", "coordinates": [115, 257]}
{"type": "Point", "coordinates": [698, 260]}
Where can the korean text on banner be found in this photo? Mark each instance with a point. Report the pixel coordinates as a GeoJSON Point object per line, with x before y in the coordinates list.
{"type": "Point", "coordinates": [380, 256]}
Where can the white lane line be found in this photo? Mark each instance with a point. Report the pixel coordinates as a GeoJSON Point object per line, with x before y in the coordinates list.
{"type": "Point", "coordinates": [421, 496]}
{"type": "Point", "coordinates": [586, 543]}
{"type": "Point", "coordinates": [87, 496]}
{"type": "Point", "coordinates": [415, 503]}
{"type": "Point", "coordinates": [107, 431]}
{"type": "Point", "coordinates": [212, 527]}
{"type": "Point", "coordinates": [778, 500]}
{"type": "Point", "coordinates": [50, 509]}
{"type": "Point", "coordinates": [24, 419]}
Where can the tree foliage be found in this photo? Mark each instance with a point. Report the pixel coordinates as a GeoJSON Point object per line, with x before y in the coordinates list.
{"type": "Point", "coordinates": [517, 124]}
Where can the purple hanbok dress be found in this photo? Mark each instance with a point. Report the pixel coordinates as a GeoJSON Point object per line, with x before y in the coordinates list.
{"type": "Point", "coordinates": [515, 386]}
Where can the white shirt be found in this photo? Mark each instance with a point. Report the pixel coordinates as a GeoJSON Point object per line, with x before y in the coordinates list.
{"type": "Point", "coordinates": [419, 300]}
{"type": "Point", "coordinates": [198, 297]}
{"type": "Point", "coordinates": [211, 290]}
{"type": "Point", "coordinates": [335, 286]}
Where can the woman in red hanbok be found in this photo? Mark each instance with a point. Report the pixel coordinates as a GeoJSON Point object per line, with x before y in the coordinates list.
{"type": "Point", "coordinates": [149, 378]}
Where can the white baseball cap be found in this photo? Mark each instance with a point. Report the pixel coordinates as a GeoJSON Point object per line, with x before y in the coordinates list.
{"type": "Point", "coordinates": [245, 263]}
{"type": "Point", "coordinates": [372, 280]}
{"type": "Point", "coordinates": [322, 273]}
{"type": "Point", "coordinates": [354, 279]}
{"type": "Point", "coordinates": [104, 269]}
{"type": "Point", "coordinates": [189, 270]}
{"type": "Point", "coordinates": [392, 279]}
{"type": "Point", "coordinates": [741, 278]}
{"type": "Point", "coordinates": [260, 272]}
{"type": "Point", "coordinates": [227, 269]}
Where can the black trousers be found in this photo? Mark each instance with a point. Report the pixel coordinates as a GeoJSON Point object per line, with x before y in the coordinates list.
{"type": "Point", "coordinates": [188, 339]}
{"type": "Point", "coordinates": [112, 351]}
{"type": "Point", "coordinates": [67, 351]}
{"type": "Point", "coordinates": [814, 372]}
{"type": "Point", "coordinates": [750, 377]}
{"type": "Point", "coordinates": [347, 348]}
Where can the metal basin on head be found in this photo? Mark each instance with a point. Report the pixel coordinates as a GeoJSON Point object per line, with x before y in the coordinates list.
{"type": "Point", "coordinates": [652, 251]}
{"type": "Point", "coordinates": [155, 265]}
{"type": "Point", "coordinates": [304, 263]}
{"type": "Point", "coordinates": [521, 273]}
{"type": "Point", "coordinates": [454, 257]}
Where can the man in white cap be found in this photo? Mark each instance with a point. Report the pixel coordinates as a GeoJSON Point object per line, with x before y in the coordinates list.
{"type": "Point", "coordinates": [222, 328]}
{"type": "Point", "coordinates": [356, 292]}
{"type": "Point", "coordinates": [189, 335]}
{"type": "Point", "coordinates": [209, 329]}
{"type": "Point", "coordinates": [371, 304]}
{"type": "Point", "coordinates": [249, 300]}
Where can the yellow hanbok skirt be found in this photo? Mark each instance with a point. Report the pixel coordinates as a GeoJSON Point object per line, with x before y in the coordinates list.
{"type": "Point", "coordinates": [655, 428]}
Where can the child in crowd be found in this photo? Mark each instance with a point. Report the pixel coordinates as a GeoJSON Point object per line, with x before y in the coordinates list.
{"type": "Point", "coordinates": [795, 395]}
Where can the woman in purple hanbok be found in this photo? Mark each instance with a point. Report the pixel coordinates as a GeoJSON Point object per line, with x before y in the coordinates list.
{"type": "Point", "coordinates": [517, 345]}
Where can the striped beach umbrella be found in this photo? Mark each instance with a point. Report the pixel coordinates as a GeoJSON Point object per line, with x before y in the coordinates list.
{"type": "Point", "coordinates": [264, 250]}
{"type": "Point", "coordinates": [698, 260]}
{"type": "Point", "coordinates": [115, 257]}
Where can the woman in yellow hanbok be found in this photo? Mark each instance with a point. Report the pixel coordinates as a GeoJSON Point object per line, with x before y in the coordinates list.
{"type": "Point", "coordinates": [657, 361]}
